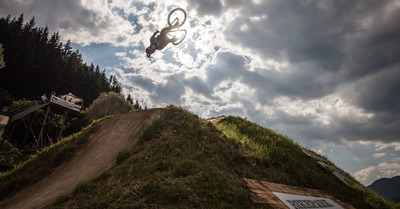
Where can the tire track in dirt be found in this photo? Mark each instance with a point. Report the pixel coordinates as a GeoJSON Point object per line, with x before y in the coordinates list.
{"type": "Point", "coordinates": [91, 160]}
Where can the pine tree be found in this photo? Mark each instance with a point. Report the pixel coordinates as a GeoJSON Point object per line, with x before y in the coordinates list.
{"type": "Point", "coordinates": [129, 99]}
{"type": "Point", "coordinates": [2, 64]}
{"type": "Point", "coordinates": [42, 64]}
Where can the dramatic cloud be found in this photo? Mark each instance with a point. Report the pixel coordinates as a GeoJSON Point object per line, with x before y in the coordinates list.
{"type": "Point", "coordinates": [207, 7]}
{"type": "Point", "coordinates": [322, 72]}
{"type": "Point", "coordinates": [80, 21]}
{"type": "Point", "coordinates": [382, 170]}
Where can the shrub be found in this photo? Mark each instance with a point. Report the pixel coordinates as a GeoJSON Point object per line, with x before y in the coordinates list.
{"type": "Point", "coordinates": [123, 154]}
{"type": "Point", "coordinates": [152, 131]}
{"type": "Point", "coordinates": [108, 103]}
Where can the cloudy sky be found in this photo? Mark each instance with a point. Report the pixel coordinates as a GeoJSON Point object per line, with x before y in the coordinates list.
{"type": "Point", "coordinates": [323, 72]}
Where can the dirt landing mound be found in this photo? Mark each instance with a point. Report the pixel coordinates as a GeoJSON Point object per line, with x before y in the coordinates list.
{"type": "Point", "coordinates": [98, 155]}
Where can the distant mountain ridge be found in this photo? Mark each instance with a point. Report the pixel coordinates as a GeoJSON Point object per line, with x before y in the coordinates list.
{"type": "Point", "coordinates": [389, 188]}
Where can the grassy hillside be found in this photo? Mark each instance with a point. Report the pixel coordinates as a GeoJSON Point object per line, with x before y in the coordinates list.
{"type": "Point", "coordinates": [283, 161]}
{"type": "Point", "coordinates": [183, 161]}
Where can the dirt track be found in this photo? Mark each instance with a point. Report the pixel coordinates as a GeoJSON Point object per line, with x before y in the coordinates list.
{"type": "Point", "coordinates": [98, 155]}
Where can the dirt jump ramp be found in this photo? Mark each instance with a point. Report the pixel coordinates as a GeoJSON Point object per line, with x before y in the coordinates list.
{"type": "Point", "coordinates": [96, 156]}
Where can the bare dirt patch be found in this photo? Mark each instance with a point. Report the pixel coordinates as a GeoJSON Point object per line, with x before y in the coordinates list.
{"type": "Point", "coordinates": [95, 157]}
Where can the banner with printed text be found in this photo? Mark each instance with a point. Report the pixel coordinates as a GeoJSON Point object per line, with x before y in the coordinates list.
{"type": "Point", "coordinates": [306, 202]}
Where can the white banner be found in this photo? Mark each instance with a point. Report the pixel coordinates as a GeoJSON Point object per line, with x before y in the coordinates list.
{"type": "Point", "coordinates": [3, 120]}
{"type": "Point", "coordinates": [306, 202]}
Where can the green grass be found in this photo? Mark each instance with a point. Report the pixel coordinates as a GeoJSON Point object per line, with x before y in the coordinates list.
{"type": "Point", "coordinates": [287, 164]}
{"type": "Point", "coordinates": [183, 161]}
{"type": "Point", "coordinates": [43, 163]}
{"type": "Point", "coordinates": [153, 130]}
{"type": "Point", "coordinates": [123, 154]}
{"type": "Point", "coordinates": [182, 165]}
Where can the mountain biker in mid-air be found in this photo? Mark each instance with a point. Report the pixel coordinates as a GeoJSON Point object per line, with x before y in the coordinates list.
{"type": "Point", "coordinates": [176, 18]}
{"type": "Point", "coordinates": [162, 40]}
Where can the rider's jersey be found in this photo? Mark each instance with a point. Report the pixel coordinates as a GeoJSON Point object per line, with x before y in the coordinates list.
{"type": "Point", "coordinates": [162, 40]}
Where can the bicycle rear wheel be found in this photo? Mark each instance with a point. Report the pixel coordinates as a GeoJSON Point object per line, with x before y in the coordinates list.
{"type": "Point", "coordinates": [178, 14]}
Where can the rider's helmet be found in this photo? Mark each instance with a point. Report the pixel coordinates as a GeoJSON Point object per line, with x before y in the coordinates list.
{"type": "Point", "coordinates": [149, 51]}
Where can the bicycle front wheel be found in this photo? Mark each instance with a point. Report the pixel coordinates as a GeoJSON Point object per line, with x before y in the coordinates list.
{"type": "Point", "coordinates": [177, 14]}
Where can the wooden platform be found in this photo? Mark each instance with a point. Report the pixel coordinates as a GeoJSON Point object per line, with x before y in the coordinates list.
{"type": "Point", "coordinates": [262, 192]}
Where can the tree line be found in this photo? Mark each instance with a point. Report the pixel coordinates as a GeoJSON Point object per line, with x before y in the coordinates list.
{"type": "Point", "coordinates": [35, 62]}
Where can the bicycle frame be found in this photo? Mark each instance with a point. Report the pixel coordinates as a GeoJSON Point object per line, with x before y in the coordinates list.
{"type": "Point", "coordinates": [177, 33]}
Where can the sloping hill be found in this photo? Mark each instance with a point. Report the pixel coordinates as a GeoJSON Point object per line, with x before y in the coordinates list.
{"type": "Point", "coordinates": [96, 156]}
{"type": "Point", "coordinates": [182, 161]}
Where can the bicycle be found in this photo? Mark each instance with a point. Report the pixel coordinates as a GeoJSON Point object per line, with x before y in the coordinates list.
{"type": "Point", "coordinates": [177, 15]}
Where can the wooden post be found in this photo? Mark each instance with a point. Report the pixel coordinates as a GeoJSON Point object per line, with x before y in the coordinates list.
{"type": "Point", "coordinates": [40, 138]}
